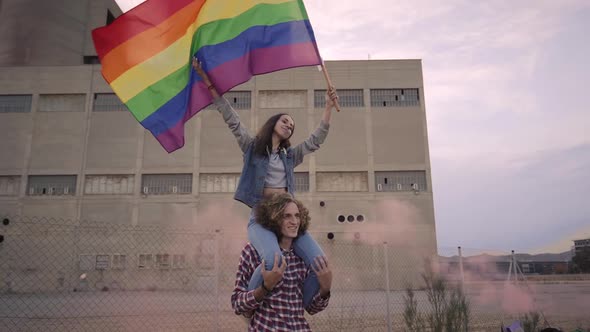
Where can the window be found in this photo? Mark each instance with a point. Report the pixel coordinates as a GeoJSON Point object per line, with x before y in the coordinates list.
{"type": "Point", "coordinates": [15, 103]}
{"type": "Point", "coordinates": [342, 181]}
{"type": "Point", "coordinates": [240, 100]}
{"type": "Point", "coordinates": [9, 185]}
{"type": "Point", "coordinates": [62, 103]}
{"type": "Point", "coordinates": [526, 268]}
{"type": "Point", "coordinates": [110, 17]}
{"type": "Point", "coordinates": [108, 102]}
{"type": "Point", "coordinates": [145, 261]}
{"type": "Point", "coordinates": [109, 184]}
{"type": "Point", "coordinates": [346, 98]}
{"type": "Point", "coordinates": [400, 181]}
{"type": "Point", "coordinates": [218, 183]}
{"type": "Point", "coordinates": [394, 97]}
{"type": "Point", "coordinates": [167, 184]}
{"type": "Point", "coordinates": [91, 60]}
{"type": "Point", "coordinates": [103, 262]}
{"type": "Point", "coordinates": [301, 182]}
{"type": "Point", "coordinates": [178, 262]}
{"type": "Point", "coordinates": [163, 261]}
{"type": "Point", "coordinates": [51, 185]}
{"type": "Point", "coordinates": [119, 262]}
{"type": "Point", "coordinates": [351, 218]}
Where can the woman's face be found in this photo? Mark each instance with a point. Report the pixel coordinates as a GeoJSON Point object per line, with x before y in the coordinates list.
{"type": "Point", "coordinates": [284, 127]}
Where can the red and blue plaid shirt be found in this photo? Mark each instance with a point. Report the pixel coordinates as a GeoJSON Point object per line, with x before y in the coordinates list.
{"type": "Point", "coordinates": [282, 309]}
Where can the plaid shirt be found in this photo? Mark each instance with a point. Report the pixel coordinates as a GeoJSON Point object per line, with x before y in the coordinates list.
{"type": "Point", "coordinates": [282, 310]}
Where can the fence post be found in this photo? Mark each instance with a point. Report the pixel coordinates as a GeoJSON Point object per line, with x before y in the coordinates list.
{"type": "Point", "coordinates": [74, 279]}
{"type": "Point", "coordinates": [217, 276]}
{"type": "Point", "coordinates": [387, 291]}
{"type": "Point", "coordinates": [515, 268]}
{"type": "Point", "coordinates": [461, 268]}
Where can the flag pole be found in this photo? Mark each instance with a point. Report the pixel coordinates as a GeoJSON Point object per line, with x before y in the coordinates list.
{"type": "Point", "coordinates": [329, 82]}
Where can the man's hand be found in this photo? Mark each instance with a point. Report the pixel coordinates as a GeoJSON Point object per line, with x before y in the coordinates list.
{"type": "Point", "coordinates": [273, 277]}
{"type": "Point", "coordinates": [324, 274]}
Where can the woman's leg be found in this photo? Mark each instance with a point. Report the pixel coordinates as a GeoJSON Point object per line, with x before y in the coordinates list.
{"type": "Point", "coordinates": [306, 248]}
{"type": "Point", "coordinates": [266, 244]}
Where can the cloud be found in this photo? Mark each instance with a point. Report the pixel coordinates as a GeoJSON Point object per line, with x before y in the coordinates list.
{"type": "Point", "coordinates": [537, 200]}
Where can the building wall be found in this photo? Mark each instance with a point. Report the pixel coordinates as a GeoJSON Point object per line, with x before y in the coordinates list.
{"type": "Point", "coordinates": [88, 144]}
{"type": "Point", "coordinates": [50, 32]}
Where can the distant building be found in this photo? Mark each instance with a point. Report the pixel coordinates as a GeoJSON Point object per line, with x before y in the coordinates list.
{"type": "Point", "coordinates": [487, 267]}
{"type": "Point", "coordinates": [580, 245]}
{"type": "Point", "coordinates": [538, 267]}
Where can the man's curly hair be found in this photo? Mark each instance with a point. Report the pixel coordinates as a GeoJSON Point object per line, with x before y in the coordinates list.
{"type": "Point", "coordinates": [269, 213]}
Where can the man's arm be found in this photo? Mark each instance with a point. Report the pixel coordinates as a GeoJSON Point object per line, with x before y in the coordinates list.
{"type": "Point", "coordinates": [318, 303]}
{"type": "Point", "coordinates": [243, 300]}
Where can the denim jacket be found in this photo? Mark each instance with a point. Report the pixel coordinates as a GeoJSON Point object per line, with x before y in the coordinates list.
{"type": "Point", "coordinates": [251, 184]}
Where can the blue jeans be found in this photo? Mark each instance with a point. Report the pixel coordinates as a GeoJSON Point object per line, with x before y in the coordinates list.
{"type": "Point", "coordinates": [266, 244]}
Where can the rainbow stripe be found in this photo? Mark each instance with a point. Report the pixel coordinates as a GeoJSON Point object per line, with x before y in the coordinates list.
{"type": "Point", "coordinates": [146, 54]}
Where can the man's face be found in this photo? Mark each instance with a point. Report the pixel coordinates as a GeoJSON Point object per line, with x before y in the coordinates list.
{"type": "Point", "coordinates": [290, 221]}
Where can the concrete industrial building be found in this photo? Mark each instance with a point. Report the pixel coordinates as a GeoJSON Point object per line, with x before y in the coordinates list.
{"type": "Point", "coordinates": [70, 150]}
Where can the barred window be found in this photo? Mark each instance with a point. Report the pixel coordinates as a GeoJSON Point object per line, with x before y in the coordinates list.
{"type": "Point", "coordinates": [342, 181]}
{"type": "Point", "coordinates": [103, 262]}
{"type": "Point", "coordinates": [240, 100]}
{"type": "Point", "coordinates": [218, 183]}
{"type": "Point", "coordinates": [51, 185]}
{"type": "Point", "coordinates": [179, 262]}
{"type": "Point", "coordinates": [346, 98]}
{"type": "Point", "coordinates": [400, 181]}
{"type": "Point", "coordinates": [301, 182]}
{"type": "Point", "coordinates": [145, 261]}
{"type": "Point", "coordinates": [119, 262]}
{"type": "Point", "coordinates": [108, 102]}
{"type": "Point", "coordinates": [109, 184]}
{"type": "Point", "coordinates": [9, 185]}
{"type": "Point", "coordinates": [394, 97]}
{"type": "Point", "coordinates": [167, 184]}
{"type": "Point", "coordinates": [163, 261]}
{"type": "Point", "coordinates": [15, 103]}
{"type": "Point", "coordinates": [62, 103]}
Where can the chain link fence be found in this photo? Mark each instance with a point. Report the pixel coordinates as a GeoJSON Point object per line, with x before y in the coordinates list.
{"type": "Point", "coordinates": [63, 275]}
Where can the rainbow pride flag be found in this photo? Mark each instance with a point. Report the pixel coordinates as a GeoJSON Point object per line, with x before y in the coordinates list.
{"type": "Point", "coordinates": [146, 54]}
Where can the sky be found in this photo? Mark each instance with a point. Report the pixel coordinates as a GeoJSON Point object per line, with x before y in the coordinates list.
{"type": "Point", "coordinates": [508, 121]}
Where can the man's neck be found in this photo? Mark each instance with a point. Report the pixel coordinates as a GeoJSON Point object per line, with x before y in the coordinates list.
{"type": "Point", "coordinates": [286, 243]}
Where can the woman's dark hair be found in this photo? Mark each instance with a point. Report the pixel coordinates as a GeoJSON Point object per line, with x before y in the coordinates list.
{"type": "Point", "coordinates": [264, 136]}
{"type": "Point", "coordinates": [269, 213]}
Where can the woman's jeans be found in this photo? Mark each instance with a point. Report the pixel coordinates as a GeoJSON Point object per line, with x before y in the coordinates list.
{"type": "Point", "coordinates": [266, 244]}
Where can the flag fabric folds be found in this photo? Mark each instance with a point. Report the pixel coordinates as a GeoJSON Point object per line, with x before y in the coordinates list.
{"type": "Point", "coordinates": [146, 54]}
